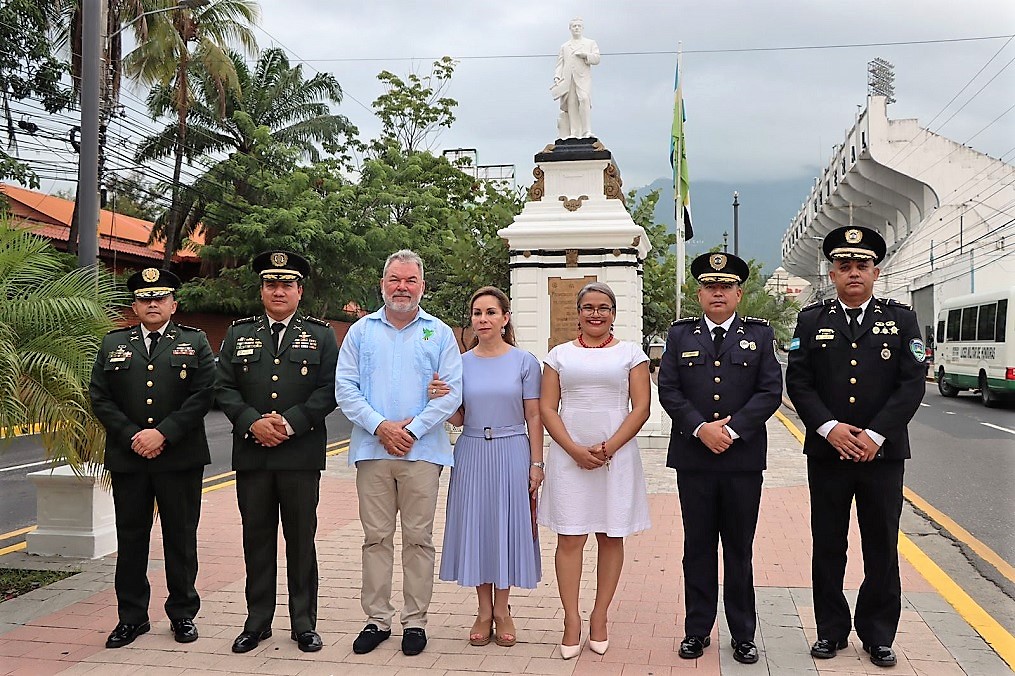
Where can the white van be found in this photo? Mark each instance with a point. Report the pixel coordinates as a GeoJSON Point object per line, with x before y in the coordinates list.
{"type": "Point", "coordinates": [975, 348]}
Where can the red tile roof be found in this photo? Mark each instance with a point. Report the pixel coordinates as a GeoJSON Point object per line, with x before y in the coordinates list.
{"type": "Point", "coordinates": [51, 216]}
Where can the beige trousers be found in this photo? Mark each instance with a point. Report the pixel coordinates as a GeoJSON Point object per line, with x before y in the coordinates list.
{"type": "Point", "coordinates": [409, 489]}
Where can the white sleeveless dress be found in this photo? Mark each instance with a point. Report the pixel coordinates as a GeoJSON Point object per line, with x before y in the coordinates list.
{"type": "Point", "coordinates": [594, 401]}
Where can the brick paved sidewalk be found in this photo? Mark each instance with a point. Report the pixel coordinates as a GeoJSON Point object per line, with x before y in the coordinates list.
{"type": "Point", "coordinates": [62, 628]}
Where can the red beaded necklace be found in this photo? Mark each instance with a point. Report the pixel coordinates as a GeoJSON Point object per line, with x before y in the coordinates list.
{"type": "Point", "coordinates": [606, 342]}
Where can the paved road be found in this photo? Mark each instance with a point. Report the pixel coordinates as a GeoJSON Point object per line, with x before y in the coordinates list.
{"type": "Point", "coordinates": [964, 465]}
{"type": "Point", "coordinates": [23, 455]}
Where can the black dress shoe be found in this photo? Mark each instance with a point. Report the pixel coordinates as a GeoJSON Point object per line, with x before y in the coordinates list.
{"type": "Point", "coordinates": [184, 631]}
{"type": "Point", "coordinates": [881, 655]}
{"type": "Point", "coordinates": [248, 640]}
{"type": "Point", "coordinates": [413, 641]}
{"type": "Point", "coordinates": [370, 638]}
{"type": "Point", "coordinates": [745, 651]}
{"type": "Point", "coordinates": [824, 649]}
{"type": "Point", "coordinates": [124, 634]}
{"type": "Point", "coordinates": [308, 641]}
{"type": "Point", "coordinates": [693, 647]}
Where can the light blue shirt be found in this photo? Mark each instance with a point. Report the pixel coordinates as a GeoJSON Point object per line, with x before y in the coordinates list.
{"type": "Point", "coordinates": [383, 373]}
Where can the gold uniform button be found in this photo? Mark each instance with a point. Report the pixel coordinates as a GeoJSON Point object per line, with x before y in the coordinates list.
{"type": "Point", "coordinates": [151, 420]}
{"type": "Point", "coordinates": [715, 416]}
{"type": "Point", "coordinates": [717, 379]}
{"type": "Point", "coordinates": [151, 367]}
{"type": "Point", "coordinates": [274, 395]}
{"type": "Point", "coordinates": [852, 381]}
{"type": "Point", "coordinates": [278, 361]}
{"type": "Point", "coordinates": [854, 346]}
{"type": "Point", "coordinates": [716, 397]}
{"type": "Point", "coordinates": [852, 400]}
{"type": "Point", "coordinates": [274, 377]}
{"type": "Point", "coordinates": [149, 402]}
{"type": "Point", "coordinates": [717, 362]}
{"type": "Point", "coordinates": [150, 384]}
{"type": "Point", "coordinates": [852, 362]}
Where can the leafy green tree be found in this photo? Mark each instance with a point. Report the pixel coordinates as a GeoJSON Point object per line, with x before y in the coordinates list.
{"type": "Point", "coordinates": [659, 271]}
{"type": "Point", "coordinates": [28, 69]}
{"type": "Point", "coordinates": [52, 319]}
{"type": "Point", "coordinates": [176, 40]}
{"type": "Point", "coordinates": [412, 111]}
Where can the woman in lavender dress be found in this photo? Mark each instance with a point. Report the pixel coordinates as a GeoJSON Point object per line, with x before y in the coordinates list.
{"type": "Point", "coordinates": [490, 540]}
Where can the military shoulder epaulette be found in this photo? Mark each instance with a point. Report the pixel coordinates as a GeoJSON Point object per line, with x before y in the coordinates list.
{"type": "Point", "coordinates": [189, 328]}
{"type": "Point", "coordinates": [245, 320]}
{"type": "Point", "coordinates": [895, 303]}
{"type": "Point", "coordinates": [685, 320]}
{"type": "Point", "coordinates": [817, 304]}
{"type": "Point", "coordinates": [756, 320]}
{"type": "Point", "coordinates": [315, 320]}
{"type": "Point", "coordinates": [120, 328]}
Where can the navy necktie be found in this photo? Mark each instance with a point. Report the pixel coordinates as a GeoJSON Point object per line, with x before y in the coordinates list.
{"type": "Point", "coordinates": [718, 333]}
{"type": "Point", "coordinates": [854, 317]}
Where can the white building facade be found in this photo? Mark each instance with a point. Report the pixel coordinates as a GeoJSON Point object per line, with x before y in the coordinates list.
{"type": "Point", "coordinates": [945, 211]}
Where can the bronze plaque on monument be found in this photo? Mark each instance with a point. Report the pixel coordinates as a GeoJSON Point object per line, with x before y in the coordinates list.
{"type": "Point", "coordinates": [563, 308]}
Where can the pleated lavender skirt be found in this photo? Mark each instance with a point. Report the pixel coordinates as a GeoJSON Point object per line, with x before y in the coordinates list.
{"type": "Point", "coordinates": [488, 531]}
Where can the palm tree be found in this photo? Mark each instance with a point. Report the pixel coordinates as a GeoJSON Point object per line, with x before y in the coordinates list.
{"type": "Point", "coordinates": [275, 96]}
{"type": "Point", "coordinates": [52, 319]}
{"type": "Point", "coordinates": [176, 40]}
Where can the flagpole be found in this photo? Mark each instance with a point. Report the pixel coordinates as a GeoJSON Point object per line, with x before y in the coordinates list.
{"type": "Point", "coordinates": [678, 207]}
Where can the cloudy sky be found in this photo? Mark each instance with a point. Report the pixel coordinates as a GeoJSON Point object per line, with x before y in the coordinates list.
{"type": "Point", "coordinates": [752, 115]}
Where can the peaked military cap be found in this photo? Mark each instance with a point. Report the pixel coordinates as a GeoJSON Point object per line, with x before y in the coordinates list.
{"type": "Point", "coordinates": [281, 266]}
{"type": "Point", "coordinates": [152, 283]}
{"type": "Point", "coordinates": [720, 268]}
{"type": "Point", "coordinates": [854, 242]}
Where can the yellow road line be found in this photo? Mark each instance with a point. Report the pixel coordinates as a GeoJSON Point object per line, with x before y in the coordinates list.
{"type": "Point", "coordinates": [15, 533]}
{"type": "Point", "coordinates": [985, 625]}
{"type": "Point", "coordinates": [977, 618]}
{"type": "Point", "coordinates": [215, 487]}
{"type": "Point", "coordinates": [13, 548]}
{"type": "Point", "coordinates": [960, 533]}
{"type": "Point", "coordinates": [336, 447]}
{"type": "Point", "coordinates": [218, 476]}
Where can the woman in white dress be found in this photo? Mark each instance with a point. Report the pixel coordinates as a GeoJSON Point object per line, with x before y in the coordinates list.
{"type": "Point", "coordinates": [595, 397]}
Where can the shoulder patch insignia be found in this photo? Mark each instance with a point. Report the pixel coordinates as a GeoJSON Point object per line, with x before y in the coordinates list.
{"type": "Point", "coordinates": [315, 320]}
{"type": "Point", "coordinates": [756, 320]}
{"type": "Point", "coordinates": [895, 303]}
{"type": "Point", "coordinates": [190, 328]}
{"type": "Point", "coordinates": [245, 320]}
{"type": "Point", "coordinates": [685, 320]}
{"type": "Point", "coordinates": [118, 329]}
{"type": "Point", "coordinates": [817, 304]}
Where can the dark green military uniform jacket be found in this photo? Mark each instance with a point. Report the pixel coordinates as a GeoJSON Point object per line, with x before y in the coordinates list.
{"type": "Point", "coordinates": [171, 391]}
{"type": "Point", "coordinates": [298, 383]}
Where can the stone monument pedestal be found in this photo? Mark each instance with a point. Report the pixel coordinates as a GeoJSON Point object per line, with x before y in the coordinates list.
{"type": "Point", "coordinates": [576, 229]}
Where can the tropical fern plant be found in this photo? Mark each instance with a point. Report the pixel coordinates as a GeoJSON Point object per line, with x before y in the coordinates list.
{"type": "Point", "coordinates": [52, 319]}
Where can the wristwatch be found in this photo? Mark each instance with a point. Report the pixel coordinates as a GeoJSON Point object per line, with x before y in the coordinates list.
{"type": "Point", "coordinates": [540, 465]}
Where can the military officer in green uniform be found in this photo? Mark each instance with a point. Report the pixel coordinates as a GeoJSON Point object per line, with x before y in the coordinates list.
{"type": "Point", "coordinates": [276, 383]}
{"type": "Point", "coordinates": [151, 386]}
{"type": "Point", "coordinates": [856, 376]}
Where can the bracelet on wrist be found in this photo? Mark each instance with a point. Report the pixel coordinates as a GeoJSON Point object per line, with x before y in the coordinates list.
{"type": "Point", "coordinates": [540, 465]}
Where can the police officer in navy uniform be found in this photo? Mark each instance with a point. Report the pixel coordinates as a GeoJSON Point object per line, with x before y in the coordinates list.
{"type": "Point", "coordinates": [856, 376]}
{"type": "Point", "coordinates": [276, 383]}
{"type": "Point", "coordinates": [720, 382]}
{"type": "Point", "coordinates": [151, 386]}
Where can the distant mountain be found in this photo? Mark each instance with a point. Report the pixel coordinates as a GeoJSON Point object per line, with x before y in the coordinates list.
{"type": "Point", "coordinates": [766, 208]}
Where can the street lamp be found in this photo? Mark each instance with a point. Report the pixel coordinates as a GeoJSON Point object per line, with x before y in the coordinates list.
{"type": "Point", "coordinates": [88, 159]}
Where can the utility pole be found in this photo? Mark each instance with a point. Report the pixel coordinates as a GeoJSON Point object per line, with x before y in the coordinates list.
{"type": "Point", "coordinates": [736, 223]}
{"type": "Point", "coordinates": [88, 159]}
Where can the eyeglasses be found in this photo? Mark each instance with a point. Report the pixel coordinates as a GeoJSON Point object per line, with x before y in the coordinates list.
{"type": "Point", "coordinates": [590, 310]}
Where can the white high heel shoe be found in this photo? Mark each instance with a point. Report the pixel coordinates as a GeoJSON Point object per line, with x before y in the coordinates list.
{"type": "Point", "coordinates": [569, 652]}
{"type": "Point", "coordinates": [599, 647]}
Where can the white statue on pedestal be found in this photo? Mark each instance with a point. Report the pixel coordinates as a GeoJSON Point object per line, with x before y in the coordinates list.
{"type": "Point", "coordinates": [572, 83]}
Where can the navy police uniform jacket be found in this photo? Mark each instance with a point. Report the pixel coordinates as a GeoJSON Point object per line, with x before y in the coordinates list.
{"type": "Point", "coordinates": [171, 390]}
{"type": "Point", "coordinates": [298, 383]}
{"type": "Point", "coordinates": [696, 385]}
{"type": "Point", "coordinates": [873, 379]}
